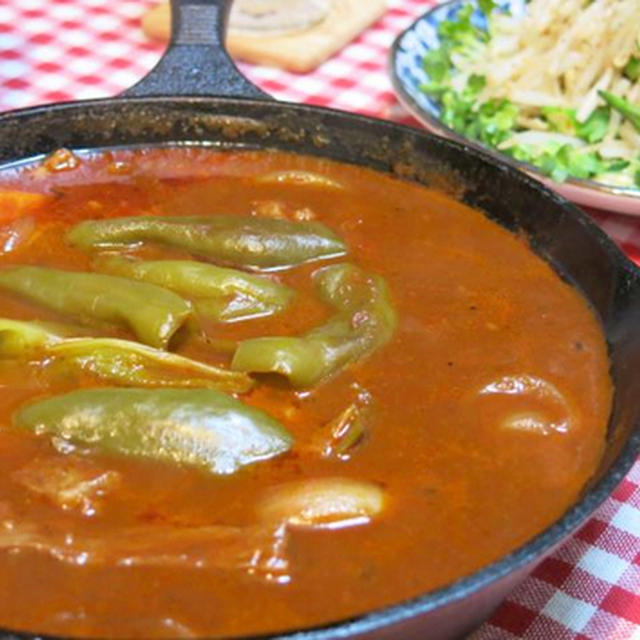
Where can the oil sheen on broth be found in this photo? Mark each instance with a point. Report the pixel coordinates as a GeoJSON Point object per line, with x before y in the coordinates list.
{"type": "Point", "coordinates": [425, 396]}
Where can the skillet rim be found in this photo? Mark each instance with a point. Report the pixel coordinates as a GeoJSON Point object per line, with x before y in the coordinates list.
{"type": "Point", "coordinates": [536, 548]}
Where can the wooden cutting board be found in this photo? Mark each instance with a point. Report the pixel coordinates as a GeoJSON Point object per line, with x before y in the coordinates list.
{"type": "Point", "coordinates": [300, 51]}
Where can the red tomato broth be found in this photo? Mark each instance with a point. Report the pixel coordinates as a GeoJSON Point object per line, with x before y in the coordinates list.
{"type": "Point", "coordinates": [474, 305]}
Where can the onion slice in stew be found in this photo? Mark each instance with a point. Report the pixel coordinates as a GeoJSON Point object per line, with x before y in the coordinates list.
{"type": "Point", "coordinates": [325, 503]}
{"type": "Point", "coordinates": [550, 410]}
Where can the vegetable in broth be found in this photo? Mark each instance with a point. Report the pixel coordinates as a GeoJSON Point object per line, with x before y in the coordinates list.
{"type": "Point", "coordinates": [365, 320]}
{"type": "Point", "coordinates": [239, 241]}
{"type": "Point", "coordinates": [226, 295]}
{"type": "Point", "coordinates": [153, 313]}
{"type": "Point", "coordinates": [111, 359]}
{"type": "Point", "coordinates": [198, 427]}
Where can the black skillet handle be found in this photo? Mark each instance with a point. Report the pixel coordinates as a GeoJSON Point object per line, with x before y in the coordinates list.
{"type": "Point", "coordinates": [196, 62]}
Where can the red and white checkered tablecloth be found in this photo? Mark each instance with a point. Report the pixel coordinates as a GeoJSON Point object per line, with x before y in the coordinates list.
{"type": "Point", "coordinates": [52, 50]}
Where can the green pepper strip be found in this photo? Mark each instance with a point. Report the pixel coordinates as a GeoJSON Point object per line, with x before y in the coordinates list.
{"type": "Point", "coordinates": [153, 313]}
{"type": "Point", "coordinates": [18, 339]}
{"type": "Point", "coordinates": [194, 427]}
{"type": "Point", "coordinates": [118, 361]}
{"type": "Point", "coordinates": [241, 241]}
{"type": "Point", "coordinates": [628, 109]}
{"type": "Point", "coordinates": [365, 321]}
{"type": "Point", "coordinates": [226, 295]}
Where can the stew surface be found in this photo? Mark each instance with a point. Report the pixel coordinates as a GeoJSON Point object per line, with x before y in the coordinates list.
{"type": "Point", "coordinates": [460, 407]}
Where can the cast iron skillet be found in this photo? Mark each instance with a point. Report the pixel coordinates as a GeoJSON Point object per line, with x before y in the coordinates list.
{"type": "Point", "coordinates": [196, 95]}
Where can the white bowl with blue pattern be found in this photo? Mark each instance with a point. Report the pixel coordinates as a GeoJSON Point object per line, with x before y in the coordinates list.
{"type": "Point", "coordinates": [408, 76]}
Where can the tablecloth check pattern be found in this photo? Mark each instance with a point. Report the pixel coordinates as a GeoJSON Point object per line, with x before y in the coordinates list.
{"type": "Point", "coordinates": [54, 50]}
